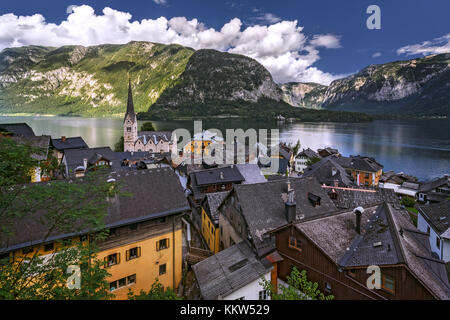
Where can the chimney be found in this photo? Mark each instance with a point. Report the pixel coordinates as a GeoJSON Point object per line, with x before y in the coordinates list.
{"type": "Point", "coordinates": [85, 163]}
{"type": "Point", "coordinates": [63, 138]}
{"type": "Point", "coordinates": [358, 212]}
{"type": "Point", "coordinates": [290, 205]}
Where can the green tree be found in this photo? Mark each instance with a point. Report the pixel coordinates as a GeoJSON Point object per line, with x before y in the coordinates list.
{"type": "Point", "coordinates": [295, 148]}
{"type": "Point", "coordinates": [118, 147]}
{"type": "Point", "coordinates": [312, 160]}
{"type": "Point", "coordinates": [156, 292]}
{"type": "Point", "coordinates": [298, 288]}
{"type": "Point", "coordinates": [408, 201]}
{"type": "Point", "coordinates": [147, 126]}
{"type": "Point", "coordinates": [51, 208]}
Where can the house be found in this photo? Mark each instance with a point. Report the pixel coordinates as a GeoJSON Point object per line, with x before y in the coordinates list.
{"type": "Point", "coordinates": [435, 191]}
{"type": "Point", "coordinates": [327, 152]}
{"type": "Point", "coordinates": [42, 143]}
{"type": "Point", "coordinates": [337, 251]}
{"type": "Point", "coordinates": [213, 180]}
{"type": "Point", "coordinates": [280, 157]}
{"type": "Point", "coordinates": [434, 219]}
{"type": "Point", "coordinates": [233, 274]}
{"type": "Point", "coordinates": [329, 172]}
{"type": "Point", "coordinates": [202, 142]}
{"type": "Point", "coordinates": [302, 158]}
{"type": "Point", "coordinates": [145, 232]}
{"type": "Point", "coordinates": [151, 141]}
{"type": "Point", "coordinates": [402, 184]}
{"type": "Point", "coordinates": [64, 143]}
{"type": "Point", "coordinates": [210, 219]}
{"type": "Point", "coordinates": [79, 161]}
{"type": "Point", "coordinates": [251, 210]}
{"type": "Point", "coordinates": [364, 170]}
{"type": "Point", "coordinates": [16, 129]}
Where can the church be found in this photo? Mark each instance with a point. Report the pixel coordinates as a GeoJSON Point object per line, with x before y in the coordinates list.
{"type": "Point", "coordinates": [149, 141]}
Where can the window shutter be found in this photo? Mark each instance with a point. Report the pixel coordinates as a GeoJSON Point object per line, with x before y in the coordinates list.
{"type": "Point", "coordinates": [139, 251]}
{"type": "Point", "coordinates": [127, 255]}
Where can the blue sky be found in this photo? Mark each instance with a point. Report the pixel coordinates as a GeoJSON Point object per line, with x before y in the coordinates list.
{"type": "Point", "coordinates": [329, 39]}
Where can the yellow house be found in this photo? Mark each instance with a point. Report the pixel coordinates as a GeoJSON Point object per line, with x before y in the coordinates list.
{"type": "Point", "coordinates": [210, 219]}
{"type": "Point", "coordinates": [201, 142]}
{"type": "Point", "coordinates": [145, 240]}
{"type": "Point", "coordinates": [365, 171]}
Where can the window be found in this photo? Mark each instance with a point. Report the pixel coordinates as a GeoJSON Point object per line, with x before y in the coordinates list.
{"type": "Point", "coordinates": [212, 230]}
{"type": "Point", "coordinates": [162, 269]}
{"type": "Point", "coordinates": [131, 279]}
{"type": "Point", "coordinates": [295, 243]}
{"type": "Point", "coordinates": [133, 227]}
{"type": "Point", "coordinates": [133, 253]}
{"type": "Point", "coordinates": [112, 259]}
{"type": "Point", "coordinates": [122, 282]}
{"type": "Point", "coordinates": [263, 295]}
{"type": "Point", "coordinates": [438, 242]}
{"type": "Point", "coordinates": [162, 220]}
{"type": "Point", "coordinates": [113, 232]}
{"type": "Point", "coordinates": [128, 129]}
{"type": "Point", "coordinates": [367, 176]}
{"type": "Point", "coordinates": [221, 231]}
{"type": "Point", "coordinates": [83, 238]}
{"type": "Point", "coordinates": [67, 242]}
{"type": "Point", "coordinates": [113, 286]}
{"type": "Point", "coordinates": [27, 250]}
{"type": "Point", "coordinates": [388, 283]}
{"type": "Point", "coordinates": [162, 244]}
{"type": "Point", "coordinates": [49, 247]}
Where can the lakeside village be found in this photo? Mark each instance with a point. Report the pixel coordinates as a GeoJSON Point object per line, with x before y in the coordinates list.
{"type": "Point", "coordinates": [211, 231]}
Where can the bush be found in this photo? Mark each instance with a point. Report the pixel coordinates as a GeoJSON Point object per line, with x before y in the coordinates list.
{"type": "Point", "coordinates": [408, 201]}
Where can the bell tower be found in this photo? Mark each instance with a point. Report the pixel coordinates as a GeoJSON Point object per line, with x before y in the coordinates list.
{"type": "Point", "coordinates": [129, 123]}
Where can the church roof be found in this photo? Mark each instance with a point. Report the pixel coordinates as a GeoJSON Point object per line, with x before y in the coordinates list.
{"type": "Point", "coordinates": [130, 105]}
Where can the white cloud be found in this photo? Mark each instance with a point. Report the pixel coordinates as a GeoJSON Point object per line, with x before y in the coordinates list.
{"type": "Point", "coordinates": [376, 55]}
{"type": "Point", "coordinates": [160, 1]}
{"type": "Point", "coordinates": [435, 46]}
{"type": "Point", "coordinates": [281, 47]}
{"type": "Point", "coordinates": [266, 18]}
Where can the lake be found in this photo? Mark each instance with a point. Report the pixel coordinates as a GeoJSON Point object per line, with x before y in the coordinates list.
{"type": "Point", "coordinates": [417, 147]}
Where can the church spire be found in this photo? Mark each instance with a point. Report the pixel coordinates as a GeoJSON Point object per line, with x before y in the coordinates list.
{"type": "Point", "coordinates": [130, 104]}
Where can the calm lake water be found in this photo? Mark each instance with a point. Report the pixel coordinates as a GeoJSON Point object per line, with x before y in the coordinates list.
{"type": "Point", "coordinates": [417, 147]}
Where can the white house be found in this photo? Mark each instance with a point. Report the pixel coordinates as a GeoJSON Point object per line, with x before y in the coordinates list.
{"type": "Point", "coordinates": [233, 274]}
{"type": "Point", "coordinates": [434, 219]}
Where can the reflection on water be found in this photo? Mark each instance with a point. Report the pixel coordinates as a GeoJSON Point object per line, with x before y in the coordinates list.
{"type": "Point", "coordinates": [417, 147]}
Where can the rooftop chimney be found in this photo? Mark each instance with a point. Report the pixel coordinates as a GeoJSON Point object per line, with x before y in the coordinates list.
{"type": "Point", "coordinates": [63, 138]}
{"type": "Point", "coordinates": [290, 205]}
{"type": "Point", "coordinates": [358, 212]}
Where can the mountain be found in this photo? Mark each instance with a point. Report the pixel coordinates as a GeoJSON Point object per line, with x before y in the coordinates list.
{"type": "Point", "coordinates": [419, 87]}
{"type": "Point", "coordinates": [90, 81]}
{"type": "Point", "coordinates": [169, 82]}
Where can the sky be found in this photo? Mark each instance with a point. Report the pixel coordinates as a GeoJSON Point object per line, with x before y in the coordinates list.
{"type": "Point", "coordinates": [307, 41]}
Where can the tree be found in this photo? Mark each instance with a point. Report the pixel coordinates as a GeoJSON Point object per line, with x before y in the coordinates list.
{"type": "Point", "coordinates": [156, 292]}
{"type": "Point", "coordinates": [408, 201]}
{"type": "Point", "coordinates": [299, 288]}
{"type": "Point", "coordinates": [295, 148]}
{"type": "Point", "coordinates": [118, 147]}
{"type": "Point", "coordinates": [147, 126]}
{"type": "Point", "coordinates": [56, 207]}
{"type": "Point", "coordinates": [312, 160]}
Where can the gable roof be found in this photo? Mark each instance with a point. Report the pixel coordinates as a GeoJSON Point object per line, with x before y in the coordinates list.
{"type": "Point", "coordinates": [308, 153]}
{"type": "Point", "coordinates": [323, 172]}
{"type": "Point", "coordinates": [214, 200]}
{"type": "Point", "coordinates": [359, 163]}
{"type": "Point", "coordinates": [438, 216]}
{"type": "Point", "coordinates": [428, 186]}
{"type": "Point", "coordinates": [218, 175]}
{"type": "Point", "coordinates": [387, 238]}
{"type": "Point", "coordinates": [154, 136]}
{"type": "Point", "coordinates": [263, 206]}
{"type": "Point", "coordinates": [150, 194]}
{"type": "Point", "coordinates": [69, 143]}
{"type": "Point", "coordinates": [229, 270]}
{"type": "Point", "coordinates": [17, 129]}
{"type": "Point", "coordinates": [75, 158]}
{"type": "Point", "coordinates": [350, 198]}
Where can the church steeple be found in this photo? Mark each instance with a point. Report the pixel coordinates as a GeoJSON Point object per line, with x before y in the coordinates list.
{"type": "Point", "coordinates": [130, 104]}
{"type": "Point", "coordinates": [130, 133]}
